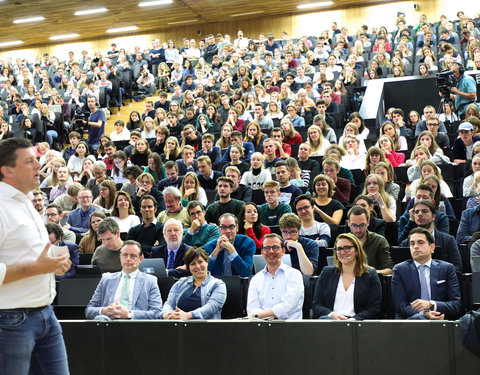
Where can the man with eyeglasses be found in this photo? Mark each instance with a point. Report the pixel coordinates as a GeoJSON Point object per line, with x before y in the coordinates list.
{"type": "Point", "coordinates": [107, 255]}
{"type": "Point", "coordinates": [38, 202]}
{"type": "Point", "coordinates": [199, 232]}
{"type": "Point", "coordinates": [446, 248]}
{"type": "Point", "coordinates": [174, 250]}
{"type": "Point", "coordinates": [296, 120]}
{"type": "Point", "coordinates": [425, 288]}
{"type": "Point", "coordinates": [78, 220]}
{"type": "Point", "coordinates": [375, 246]}
{"type": "Point", "coordinates": [314, 230]}
{"type": "Point", "coordinates": [428, 112]}
{"type": "Point", "coordinates": [231, 253]}
{"type": "Point", "coordinates": [53, 214]}
{"type": "Point", "coordinates": [433, 126]}
{"type": "Point", "coordinates": [127, 294]}
{"type": "Point", "coordinates": [277, 291]}
{"type": "Point", "coordinates": [99, 169]}
{"type": "Point", "coordinates": [303, 251]}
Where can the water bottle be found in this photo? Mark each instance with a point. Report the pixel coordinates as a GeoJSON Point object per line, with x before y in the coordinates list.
{"type": "Point", "coordinates": [441, 206]}
{"type": "Point", "coordinates": [408, 192]}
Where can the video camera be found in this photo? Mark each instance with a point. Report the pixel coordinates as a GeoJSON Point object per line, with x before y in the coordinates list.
{"type": "Point", "coordinates": [78, 118]}
{"type": "Point", "coordinates": [445, 82]}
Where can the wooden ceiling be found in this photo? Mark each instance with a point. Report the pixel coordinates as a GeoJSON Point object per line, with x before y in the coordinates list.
{"type": "Point", "coordinates": [60, 19]}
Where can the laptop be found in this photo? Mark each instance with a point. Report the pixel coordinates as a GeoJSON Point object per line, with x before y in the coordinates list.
{"type": "Point", "coordinates": [153, 266]}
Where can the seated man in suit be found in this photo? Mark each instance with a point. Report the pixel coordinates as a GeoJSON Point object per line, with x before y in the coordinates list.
{"type": "Point", "coordinates": [425, 288]}
{"type": "Point", "coordinates": [174, 251]}
{"type": "Point", "coordinates": [200, 232]}
{"type": "Point", "coordinates": [55, 234]}
{"type": "Point", "coordinates": [276, 291]}
{"type": "Point", "coordinates": [424, 216]}
{"type": "Point", "coordinates": [128, 294]}
{"type": "Point", "coordinates": [231, 253]}
{"type": "Point", "coordinates": [469, 224]}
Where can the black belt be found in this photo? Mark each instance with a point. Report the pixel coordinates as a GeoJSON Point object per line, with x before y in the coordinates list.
{"type": "Point", "coordinates": [27, 309]}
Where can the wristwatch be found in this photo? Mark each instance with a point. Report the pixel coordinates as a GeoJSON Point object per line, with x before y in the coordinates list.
{"type": "Point", "coordinates": [130, 314]}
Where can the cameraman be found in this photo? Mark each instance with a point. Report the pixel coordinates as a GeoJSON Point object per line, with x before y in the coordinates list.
{"type": "Point", "coordinates": [465, 90]}
{"type": "Point", "coordinates": [96, 124]}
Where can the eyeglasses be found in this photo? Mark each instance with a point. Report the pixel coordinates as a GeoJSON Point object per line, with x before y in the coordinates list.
{"type": "Point", "coordinates": [289, 232]}
{"type": "Point", "coordinates": [358, 226]}
{"type": "Point", "coordinates": [273, 248]}
{"type": "Point", "coordinates": [196, 213]}
{"type": "Point", "coordinates": [304, 208]}
{"type": "Point", "coordinates": [345, 249]}
{"type": "Point", "coordinates": [228, 227]}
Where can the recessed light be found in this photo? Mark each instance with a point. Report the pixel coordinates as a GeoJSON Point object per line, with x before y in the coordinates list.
{"type": "Point", "coordinates": [64, 36]}
{"type": "Point", "coordinates": [177, 22]}
{"type": "Point", "coordinates": [154, 3]}
{"type": "Point", "coordinates": [90, 11]}
{"type": "Point", "coordinates": [12, 43]}
{"type": "Point", "coordinates": [122, 29]}
{"type": "Point", "coordinates": [30, 19]}
{"type": "Point", "coordinates": [315, 5]}
{"type": "Point", "coordinates": [246, 14]}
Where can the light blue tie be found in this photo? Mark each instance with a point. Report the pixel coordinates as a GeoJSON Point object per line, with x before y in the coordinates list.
{"type": "Point", "coordinates": [424, 294]}
{"type": "Point", "coordinates": [125, 294]}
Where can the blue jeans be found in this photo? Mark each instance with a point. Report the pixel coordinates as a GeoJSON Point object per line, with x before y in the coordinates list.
{"type": "Point", "coordinates": [31, 340]}
{"type": "Point", "coordinates": [50, 135]}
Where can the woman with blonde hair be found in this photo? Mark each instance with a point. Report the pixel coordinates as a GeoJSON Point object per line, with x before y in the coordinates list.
{"type": "Point", "coordinates": [375, 189]}
{"type": "Point", "coordinates": [318, 144]}
{"type": "Point", "coordinates": [292, 137]}
{"type": "Point", "coordinates": [171, 150]}
{"type": "Point", "coordinates": [352, 129]}
{"type": "Point", "coordinates": [427, 139]}
{"type": "Point", "coordinates": [225, 139]}
{"type": "Point", "coordinates": [388, 148]}
{"type": "Point", "coordinates": [257, 176]}
{"type": "Point", "coordinates": [427, 168]}
{"type": "Point", "coordinates": [190, 190]}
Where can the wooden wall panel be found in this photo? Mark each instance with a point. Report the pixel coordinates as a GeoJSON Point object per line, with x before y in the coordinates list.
{"type": "Point", "coordinates": [295, 24]}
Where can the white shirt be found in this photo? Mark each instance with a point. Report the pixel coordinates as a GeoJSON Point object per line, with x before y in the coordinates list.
{"type": "Point", "coordinates": [127, 223]}
{"type": "Point", "coordinates": [123, 136]}
{"type": "Point", "coordinates": [118, 292]}
{"type": "Point", "coordinates": [344, 299]}
{"type": "Point", "coordinates": [282, 292]}
{"type": "Point", "coordinates": [22, 239]}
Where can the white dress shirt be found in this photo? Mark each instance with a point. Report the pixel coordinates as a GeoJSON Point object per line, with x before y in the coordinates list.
{"type": "Point", "coordinates": [344, 299]}
{"type": "Point", "coordinates": [22, 239]}
{"type": "Point", "coordinates": [282, 292]}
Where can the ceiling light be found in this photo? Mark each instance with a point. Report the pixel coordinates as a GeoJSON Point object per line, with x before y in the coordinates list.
{"type": "Point", "coordinates": [246, 14]}
{"type": "Point", "coordinates": [64, 36]}
{"type": "Point", "coordinates": [154, 3]}
{"type": "Point", "coordinates": [90, 11]}
{"type": "Point", "coordinates": [186, 21]}
{"type": "Point", "coordinates": [12, 43]}
{"type": "Point", "coordinates": [315, 5]}
{"type": "Point", "coordinates": [31, 19]}
{"type": "Point", "coordinates": [122, 29]}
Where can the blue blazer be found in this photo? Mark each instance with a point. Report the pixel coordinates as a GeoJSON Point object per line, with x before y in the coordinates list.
{"type": "Point", "coordinates": [445, 289]}
{"type": "Point", "coordinates": [147, 302]}
{"type": "Point", "coordinates": [242, 265]}
{"type": "Point", "coordinates": [367, 295]}
{"type": "Point", "coordinates": [448, 249]}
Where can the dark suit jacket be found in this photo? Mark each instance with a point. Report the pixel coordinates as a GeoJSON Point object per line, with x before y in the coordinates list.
{"type": "Point", "coordinates": [448, 249]}
{"type": "Point", "coordinates": [367, 295]}
{"type": "Point", "coordinates": [445, 289]}
{"type": "Point", "coordinates": [162, 252]}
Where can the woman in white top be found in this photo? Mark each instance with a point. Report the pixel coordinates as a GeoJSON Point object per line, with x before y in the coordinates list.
{"type": "Point", "coordinates": [190, 190]}
{"type": "Point", "coordinates": [363, 131]}
{"type": "Point", "coordinates": [375, 189]}
{"type": "Point", "coordinates": [468, 192]}
{"type": "Point", "coordinates": [354, 159]}
{"type": "Point", "coordinates": [349, 290]}
{"type": "Point", "coordinates": [106, 198]}
{"type": "Point", "coordinates": [123, 212]}
{"type": "Point", "coordinates": [257, 176]}
{"type": "Point", "coordinates": [351, 128]}
{"type": "Point", "coordinates": [75, 162]}
{"type": "Point", "coordinates": [318, 144]}
{"type": "Point", "coordinates": [427, 168]}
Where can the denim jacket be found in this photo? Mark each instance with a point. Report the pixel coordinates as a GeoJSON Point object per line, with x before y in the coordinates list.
{"type": "Point", "coordinates": [213, 296]}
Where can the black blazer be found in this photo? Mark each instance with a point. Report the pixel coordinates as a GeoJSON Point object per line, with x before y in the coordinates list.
{"type": "Point", "coordinates": [162, 252]}
{"type": "Point", "coordinates": [367, 296]}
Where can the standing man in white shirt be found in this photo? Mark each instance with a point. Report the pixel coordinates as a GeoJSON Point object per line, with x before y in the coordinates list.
{"type": "Point", "coordinates": [31, 337]}
{"type": "Point", "coordinates": [277, 291]}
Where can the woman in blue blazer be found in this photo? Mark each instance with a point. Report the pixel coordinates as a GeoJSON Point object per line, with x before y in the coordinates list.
{"type": "Point", "coordinates": [200, 296]}
{"type": "Point", "coordinates": [350, 289]}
